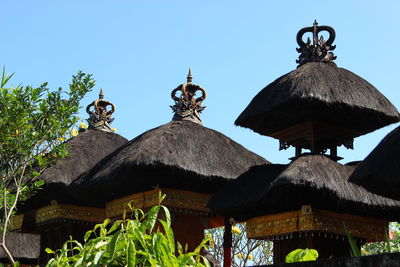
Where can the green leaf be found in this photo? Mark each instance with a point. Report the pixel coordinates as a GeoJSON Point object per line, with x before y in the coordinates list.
{"type": "Point", "coordinates": [49, 251]}
{"type": "Point", "coordinates": [309, 255]}
{"type": "Point", "coordinates": [115, 226]}
{"type": "Point", "coordinates": [299, 255]}
{"type": "Point", "coordinates": [354, 248]}
{"type": "Point", "coordinates": [87, 235]}
{"type": "Point", "coordinates": [97, 257]}
{"type": "Point", "coordinates": [150, 220]}
{"type": "Point", "coordinates": [131, 255]}
{"type": "Point", "coordinates": [112, 245]}
{"type": "Point", "coordinates": [169, 234]}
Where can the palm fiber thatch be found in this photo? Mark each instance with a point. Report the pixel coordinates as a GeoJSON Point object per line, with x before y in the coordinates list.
{"type": "Point", "coordinates": [318, 91]}
{"type": "Point", "coordinates": [23, 246]}
{"type": "Point", "coordinates": [84, 151]}
{"type": "Point", "coordinates": [309, 180]}
{"type": "Point", "coordinates": [179, 155]}
{"type": "Point", "coordinates": [380, 171]}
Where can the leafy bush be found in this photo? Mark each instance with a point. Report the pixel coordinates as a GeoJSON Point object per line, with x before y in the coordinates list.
{"type": "Point", "coordinates": [144, 240]}
{"type": "Point", "coordinates": [391, 245]}
{"type": "Point", "coordinates": [34, 121]}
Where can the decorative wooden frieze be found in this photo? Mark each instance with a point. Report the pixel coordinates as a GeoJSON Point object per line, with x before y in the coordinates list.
{"type": "Point", "coordinates": [179, 199]}
{"type": "Point", "coordinates": [315, 220]}
{"type": "Point", "coordinates": [16, 222]}
{"type": "Point", "coordinates": [317, 134]}
{"type": "Point", "coordinates": [69, 212]}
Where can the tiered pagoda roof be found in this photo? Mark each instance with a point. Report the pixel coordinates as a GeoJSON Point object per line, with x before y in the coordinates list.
{"type": "Point", "coordinates": [317, 106]}
{"type": "Point", "coordinates": [308, 202]}
{"type": "Point", "coordinates": [380, 170]}
{"type": "Point", "coordinates": [181, 154]}
{"type": "Point", "coordinates": [314, 180]}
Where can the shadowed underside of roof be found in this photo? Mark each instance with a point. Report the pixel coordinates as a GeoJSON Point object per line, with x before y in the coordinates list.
{"type": "Point", "coordinates": [380, 171]}
{"type": "Point", "coordinates": [179, 154]}
{"type": "Point", "coordinates": [318, 91]}
{"type": "Point", "coordinates": [309, 180]}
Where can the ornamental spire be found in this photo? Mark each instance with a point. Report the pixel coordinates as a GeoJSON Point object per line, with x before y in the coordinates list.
{"type": "Point", "coordinates": [187, 105]}
{"type": "Point", "coordinates": [189, 76]}
{"type": "Point", "coordinates": [100, 115]}
{"type": "Point", "coordinates": [319, 50]}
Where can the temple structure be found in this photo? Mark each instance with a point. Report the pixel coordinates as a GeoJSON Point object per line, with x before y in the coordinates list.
{"type": "Point", "coordinates": [185, 160]}
{"type": "Point", "coordinates": [104, 172]}
{"type": "Point", "coordinates": [209, 179]}
{"type": "Point", "coordinates": [309, 203]}
{"type": "Point", "coordinates": [317, 106]}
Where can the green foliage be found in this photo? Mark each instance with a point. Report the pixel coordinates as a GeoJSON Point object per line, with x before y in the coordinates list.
{"type": "Point", "coordinates": [144, 240]}
{"type": "Point", "coordinates": [245, 251]}
{"type": "Point", "coordinates": [355, 250]}
{"type": "Point", "coordinates": [34, 123]}
{"type": "Point", "coordinates": [301, 255]}
{"type": "Point", "coordinates": [16, 264]}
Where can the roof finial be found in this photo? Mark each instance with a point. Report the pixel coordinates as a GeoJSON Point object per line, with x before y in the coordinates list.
{"type": "Point", "coordinates": [100, 116]}
{"type": "Point", "coordinates": [189, 76]}
{"type": "Point", "coordinates": [319, 50]}
{"type": "Point", "coordinates": [187, 105]}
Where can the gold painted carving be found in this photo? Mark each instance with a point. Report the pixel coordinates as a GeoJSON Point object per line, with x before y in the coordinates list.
{"type": "Point", "coordinates": [16, 222]}
{"type": "Point", "coordinates": [71, 212]}
{"type": "Point", "coordinates": [308, 219]}
{"type": "Point", "coordinates": [174, 199]}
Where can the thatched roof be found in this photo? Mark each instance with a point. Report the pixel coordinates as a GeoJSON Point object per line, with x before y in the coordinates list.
{"type": "Point", "coordinates": [179, 155]}
{"type": "Point", "coordinates": [380, 171]}
{"type": "Point", "coordinates": [85, 150]}
{"type": "Point", "coordinates": [309, 180]}
{"type": "Point", "coordinates": [318, 91]}
{"type": "Point", "coordinates": [23, 246]}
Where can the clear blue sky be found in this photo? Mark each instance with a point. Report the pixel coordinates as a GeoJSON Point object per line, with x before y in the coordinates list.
{"type": "Point", "coordinates": [138, 51]}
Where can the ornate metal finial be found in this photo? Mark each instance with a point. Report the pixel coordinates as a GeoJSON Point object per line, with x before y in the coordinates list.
{"type": "Point", "coordinates": [100, 116]}
{"type": "Point", "coordinates": [189, 76]}
{"type": "Point", "coordinates": [187, 105]}
{"type": "Point", "coordinates": [319, 50]}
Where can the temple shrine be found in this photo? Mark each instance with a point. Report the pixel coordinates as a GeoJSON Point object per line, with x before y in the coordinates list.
{"type": "Point", "coordinates": [310, 202]}
{"type": "Point", "coordinates": [210, 180]}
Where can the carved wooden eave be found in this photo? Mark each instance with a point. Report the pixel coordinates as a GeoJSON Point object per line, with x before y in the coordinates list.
{"type": "Point", "coordinates": [72, 213]}
{"type": "Point", "coordinates": [310, 221]}
{"type": "Point", "coordinates": [176, 200]}
{"type": "Point", "coordinates": [316, 136]}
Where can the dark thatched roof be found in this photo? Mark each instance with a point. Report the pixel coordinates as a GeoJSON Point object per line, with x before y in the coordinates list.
{"type": "Point", "coordinates": [380, 171]}
{"type": "Point", "coordinates": [23, 246]}
{"type": "Point", "coordinates": [309, 180]}
{"type": "Point", "coordinates": [85, 150]}
{"type": "Point", "coordinates": [318, 91]}
{"type": "Point", "coordinates": [179, 155]}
